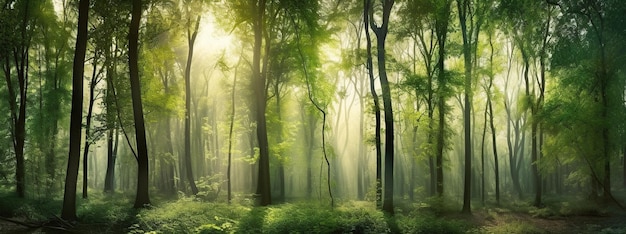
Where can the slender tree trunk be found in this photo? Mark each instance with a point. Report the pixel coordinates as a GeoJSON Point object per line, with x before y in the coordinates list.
{"type": "Point", "coordinates": [495, 151]}
{"type": "Point", "coordinates": [168, 167]}
{"type": "Point", "coordinates": [493, 128]}
{"type": "Point", "coordinates": [18, 114]}
{"type": "Point", "coordinates": [142, 197]}
{"type": "Point", "coordinates": [432, 167]}
{"type": "Point", "coordinates": [534, 135]}
{"type": "Point", "coordinates": [68, 212]}
{"type": "Point", "coordinates": [279, 129]}
{"type": "Point", "coordinates": [381, 35]}
{"type": "Point", "coordinates": [624, 167]}
{"type": "Point", "coordinates": [92, 88]}
{"type": "Point", "coordinates": [441, 30]}
{"type": "Point", "coordinates": [482, 157]}
{"type": "Point", "coordinates": [311, 144]}
{"type": "Point", "coordinates": [361, 161]}
{"type": "Point", "coordinates": [377, 138]}
{"type": "Point", "coordinates": [188, 163]}
{"type": "Point", "coordinates": [230, 134]}
{"type": "Point", "coordinates": [464, 11]}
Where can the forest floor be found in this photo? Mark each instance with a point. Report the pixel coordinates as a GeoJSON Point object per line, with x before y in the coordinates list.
{"type": "Point", "coordinates": [485, 222]}
{"type": "Point", "coordinates": [189, 215]}
{"type": "Point", "coordinates": [499, 221]}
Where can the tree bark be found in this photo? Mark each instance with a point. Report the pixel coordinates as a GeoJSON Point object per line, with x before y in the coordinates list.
{"type": "Point", "coordinates": [68, 212]}
{"type": "Point", "coordinates": [142, 197]}
{"type": "Point", "coordinates": [464, 11]}
{"type": "Point", "coordinates": [259, 81]}
{"type": "Point", "coordinates": [230, 134]}
{"type": "Point", "coordinates": [191, 38]}
{"type": "Point", "coordinates": [493, 128]}
{"type": "Point", "coordinates": [377, 138]}
{"type": "Point", "coordinates": [92, 88]}
{"type": "Point", "coordinates": [441, 30]}
{"type": "Point", "coordinates": [381, 35]}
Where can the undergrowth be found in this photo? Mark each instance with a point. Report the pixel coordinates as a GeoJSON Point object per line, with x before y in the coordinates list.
{"type": "Point", "coordinates": [193, 216]}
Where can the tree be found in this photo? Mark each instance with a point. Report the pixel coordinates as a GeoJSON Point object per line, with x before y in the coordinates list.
{"type": "Point", "coordinates": [441, 31]}
{"type": "Point", "coordinates": [260, 94]}
{"type": "Point", "coordinates": [230, 131]}
{"type": "Point", "coordinates": [20, 19]}
{"type": "Point", "coordinates": [142, 197]}
{"type": "Point", "coordinates": [370, 66]}
{"type": "Point", "coordinates": [530, 27]}
{"type": "Point", "coordinates": [191, 39]}
{"type": "Point", "coordinates": [465, 11]}
{"type": "Point", "coordinates": [89, 135]}
{"type": "Point", "coordinates": [420, 18]}
{"type": "Point", "coordinates": [52, 60]}
{"type": "Point", "coordinates": [68, 211]}
{"type": "Point", "coordinates": [596, 73]}
{"type": "Point", "coordinates": [494, 145]}
{"type": "Point", "coordinates": [381, 35]}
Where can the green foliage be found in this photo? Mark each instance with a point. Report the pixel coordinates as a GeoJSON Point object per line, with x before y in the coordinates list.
{"type": "Point", "coordinates": [301, 218]}
{"type": "Point", "coordinates": [512, 227]}
{"type": "Point", "coordinates": [209, 187]}
{"type": "Point", "coordinates": [420, 223]}
{"type": "Point", "coordinates": [580, 207]}
{"type": "Point", "coordinates": [107, 208]}
{"type": "Point", "coordinates": [611, 230]}
{"type": "Point", "coordinates": [313, 217]}
{"type": "Point", "coordinates": [28, 209]}
{"type": "Point", "coordinates": [187, 215]}
{"type": "Point", "coordinates": [213, 228]}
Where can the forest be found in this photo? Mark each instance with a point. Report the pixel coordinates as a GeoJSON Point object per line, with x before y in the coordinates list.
{"type": "Point", "coordinates": [313, 116]}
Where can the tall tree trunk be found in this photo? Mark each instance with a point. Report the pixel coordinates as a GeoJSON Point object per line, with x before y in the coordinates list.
{"type": "Point", "coordinates": [370, 67]}
{"type": "Point", "coordinates": [495, 150]}
{"type": "Point", "coordinates": [381, 35]}
{"type": "Point", "coordinates": [464, 11]}
{"type": "Point", "coordinates": [279, 129]}
{"type": "Point", "coordinates": [482, 155]}
{"type": "Point", "coordinates": [142, 197]}
{"type": "Point", "coordinates": [68, 212]}
{"type": "Point", "coordinates": [493, 128]}
{"type": "Point", "coordinates": [230, 133]}
{"type": "Point", "coordinates": [18, 114]}
{"type": "Point", "coordinates": [259, 81]}
{"type": "Point", "coordinates": [441, 30]}
{"type": "Point", "coordinates": [309, 157]}
{"type": "Point", "coordinates": [169, 162]}
{"type": "Point", "coordinates": [534, 157]}
{"type": "Point", "coordinates": [191, 38]}
{"type": "Point", "coordinates": [111, 119]}
{"type": "Point", "coordinates": [92, 98]}
{"type": "Point", "coordinates": [624, 167]}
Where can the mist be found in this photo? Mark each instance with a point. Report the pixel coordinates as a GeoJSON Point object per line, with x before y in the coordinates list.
{"type": "Point", "coordinates": [405, 111]}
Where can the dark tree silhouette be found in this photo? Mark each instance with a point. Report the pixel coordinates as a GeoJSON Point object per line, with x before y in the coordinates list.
{"type": "Point", "coordinates": [142, 197]}
{"type": "Point", "coordinates": [68, 211]}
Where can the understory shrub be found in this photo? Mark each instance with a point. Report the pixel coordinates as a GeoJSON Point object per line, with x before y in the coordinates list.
{"type": "Point", "coordinates": [314, 217]}
{"type": "Point", "coordinates": [512, 227]}
{"type": "Point", "coordinates": [420, 221]}
{"type": "Point", "coordinates": [187, 215]}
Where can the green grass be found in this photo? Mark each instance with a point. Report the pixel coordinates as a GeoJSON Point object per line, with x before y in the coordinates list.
{"type": "Point", "coordinates": [193, 216]}
{"type": "Point", "coordinates": [113, 213]}
{"type": "Point", "coordinates": [187, 215]}
{"type": "Point", "coordinates": [511, 227]}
